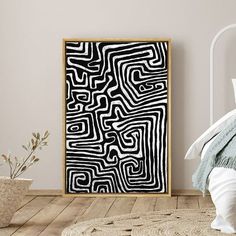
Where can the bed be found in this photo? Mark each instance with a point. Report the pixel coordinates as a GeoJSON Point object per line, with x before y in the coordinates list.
{"type": "Point", "coordinates": [221, 181]}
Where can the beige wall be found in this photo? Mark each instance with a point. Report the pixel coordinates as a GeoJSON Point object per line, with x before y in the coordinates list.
{"type": "Point", "coordinates": [31, 35]}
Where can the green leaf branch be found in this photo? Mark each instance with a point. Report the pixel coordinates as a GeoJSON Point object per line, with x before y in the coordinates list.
{"type": "Point", "coordinates": [18, 166]}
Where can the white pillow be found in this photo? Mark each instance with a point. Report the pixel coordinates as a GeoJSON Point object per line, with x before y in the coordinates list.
{"type": "Point", "coordinates": [206, 146]}
{"type": "Point", "coordinates": [195, 149]}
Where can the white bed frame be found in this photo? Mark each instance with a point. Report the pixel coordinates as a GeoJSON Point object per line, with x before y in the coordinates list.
{"type": "Point", "coordinates": [213, 43]}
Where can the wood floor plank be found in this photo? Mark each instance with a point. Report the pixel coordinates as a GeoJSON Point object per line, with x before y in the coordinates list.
{"type": "Point", "coordinates": [42, 219]}
{"type": "Point", "coordinates": [121, 206]}
{"type": "Point", "coordinates": [143, 204]}
{"type": "Point", "coordinates": [24, 214]}
{"type": "Point", "coordinates": [26, 200]}
{"type": "Point", "coordinates": [46, 215]}
{"type": "Point", "coordinates": [97, 209]}
{"type": "Point", "coordinates": [205, 202]}
{"type": "Point", "coordinates": [163, 203]}
{"type": "Point", "coordinates": [75, 209]}
{"type": "Point", "coordinates": [187, 202]}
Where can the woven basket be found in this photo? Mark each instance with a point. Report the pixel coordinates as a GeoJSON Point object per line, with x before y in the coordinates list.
{"type": "Point", "coordinates": [12, 192]}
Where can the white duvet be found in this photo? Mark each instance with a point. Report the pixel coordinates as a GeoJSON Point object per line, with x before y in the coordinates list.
{"type": "Point", "coordinates": [222, 187]}
{"type": "Point", "coordinates": [221, 181]}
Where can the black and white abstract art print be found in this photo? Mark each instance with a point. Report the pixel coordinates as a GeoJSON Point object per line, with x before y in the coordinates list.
{"type": "Point", "coordinates": [117, 116]}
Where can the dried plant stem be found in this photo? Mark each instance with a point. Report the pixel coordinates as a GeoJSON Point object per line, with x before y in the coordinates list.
{"type": "Point", "coordinates": [10, 170]}
{"type": "Point", "coordinates": [11, 176]}
{"type": "Point", "coordinates": [19, 166]}
{"type": "Point", "coordinates": [25, 161]}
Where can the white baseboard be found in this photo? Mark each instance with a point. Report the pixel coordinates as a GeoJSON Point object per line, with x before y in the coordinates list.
{"type": "Point", "coordinates": [187, 192]}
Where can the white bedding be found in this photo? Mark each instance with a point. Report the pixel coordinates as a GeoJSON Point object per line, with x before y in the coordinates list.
{"type": "Point", "coordinates": [196, 148]}
{"type": "Point", "coordinates": [222, 186]}
{"type": "Point", "coordinates": [221, 181]}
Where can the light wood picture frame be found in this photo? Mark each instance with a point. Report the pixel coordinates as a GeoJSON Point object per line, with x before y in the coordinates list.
{"type": "Point", "coordinates": [117, 117]}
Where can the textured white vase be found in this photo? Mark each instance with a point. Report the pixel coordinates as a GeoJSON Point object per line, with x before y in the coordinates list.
{"type": "Point", "coordinates": [12, 192]}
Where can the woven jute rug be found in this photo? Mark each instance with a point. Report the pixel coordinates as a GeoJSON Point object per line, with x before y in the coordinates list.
{"type": "Point", "coordinates": [160, 223]}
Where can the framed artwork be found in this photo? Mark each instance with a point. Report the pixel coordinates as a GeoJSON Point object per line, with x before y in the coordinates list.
{"type": "Point", "coordinates": [117, 117]}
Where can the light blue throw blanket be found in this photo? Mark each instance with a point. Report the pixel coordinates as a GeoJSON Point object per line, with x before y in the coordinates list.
{"type": "Point", "coordinates": [221, 153]}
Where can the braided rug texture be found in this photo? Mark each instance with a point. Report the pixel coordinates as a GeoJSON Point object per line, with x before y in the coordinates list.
{"type": "Point", "coordinates": [180, 222]}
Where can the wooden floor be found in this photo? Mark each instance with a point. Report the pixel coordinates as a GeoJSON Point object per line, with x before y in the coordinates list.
{"type": "Point", "coordinates": [49, 215]}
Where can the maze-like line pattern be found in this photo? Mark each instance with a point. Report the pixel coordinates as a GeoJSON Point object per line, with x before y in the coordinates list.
{"type": "Point", "coordinates": [116, 117]}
